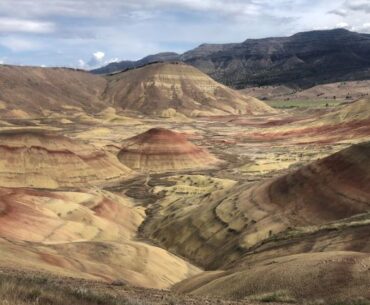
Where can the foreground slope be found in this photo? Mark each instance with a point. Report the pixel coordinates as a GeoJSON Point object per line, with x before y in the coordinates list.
{"type": "Point", "coordinates": [23, 288]}
{"type": "Point", "coordinates": [160, 88]}
{"type": "Point", "coordinates": [34, 158]}
{"type": "Point", "coordinates": [160, 149]}
{"type": "Point", "coordinates": [330, 277]}
{"type": "Point", "coordinates": [240, 218]}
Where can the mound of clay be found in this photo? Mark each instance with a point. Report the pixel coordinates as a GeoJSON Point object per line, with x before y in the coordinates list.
{"type": "Point", "coordinates": [159, 149]}
{"type": "Point", "coordinates": [157, 88]}
{"type": "Point", "coordinates": [242, 218]}
{"type": "Point", "coordinates": [43, 160]}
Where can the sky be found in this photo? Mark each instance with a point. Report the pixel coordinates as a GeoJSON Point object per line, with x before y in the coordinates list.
{"type": "Point", "coordinates": [90, 33]}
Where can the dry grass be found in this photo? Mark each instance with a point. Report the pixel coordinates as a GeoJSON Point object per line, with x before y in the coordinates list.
{"type": "Point", "coordinates": [280, 296]}
{"type": "Point", "coordinates": [38, 290]}
{"type": "Point", "coordinates": [31, 288]}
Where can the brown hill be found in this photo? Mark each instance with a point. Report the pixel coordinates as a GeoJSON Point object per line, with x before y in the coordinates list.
{"type": "Point", "coordinates": [157, 88]}
{"type": "Point", "coordinates": [45, 160]}
{"type": "Point", "coordinates": [239, 219]}
{"type": "Point", "coordinates": [160, 149]}
{"type": "Point", "coordinates": [33, 91]}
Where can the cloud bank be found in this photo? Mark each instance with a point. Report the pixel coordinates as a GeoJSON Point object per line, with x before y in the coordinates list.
{"type": "Point", "coordinates": [69, 32]}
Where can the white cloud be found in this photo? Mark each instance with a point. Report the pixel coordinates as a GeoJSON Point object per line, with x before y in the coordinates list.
{"type": "Point", "coordinates": [19, 44]}
{"type": "Point", "coordinates": [3, 60]}
{"type": "Point", "coordinates": [354, 15]}
{"type": "Point", "coordinates": [142, 8]}
{"type": "Point", "coordinates": [343, 25]}
{"type": "Point", "coordinates": [98, 56]}
{"type": "Point", "coordinates": [81, 64]}
{"type": "Point", "coordinates": [26, 26]}
{"type": "Point", "coordinates": [97, 60]}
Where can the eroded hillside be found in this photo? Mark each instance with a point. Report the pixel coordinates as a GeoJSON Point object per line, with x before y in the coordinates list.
{"type": "Point", "coordinates": [222, 205]}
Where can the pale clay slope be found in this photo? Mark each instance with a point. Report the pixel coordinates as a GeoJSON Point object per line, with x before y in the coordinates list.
{"type": "Point", "coordinates": [90, 235]}
{"type": "Point", "coordinates": [41, 160]}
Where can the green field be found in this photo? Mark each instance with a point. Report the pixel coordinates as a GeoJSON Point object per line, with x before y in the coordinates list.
{"type": "Point", "coordinates": [288, 104]}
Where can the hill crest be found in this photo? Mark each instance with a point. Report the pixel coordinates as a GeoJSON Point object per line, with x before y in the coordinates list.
{"type": "Point", "coordinates": [158, 88]}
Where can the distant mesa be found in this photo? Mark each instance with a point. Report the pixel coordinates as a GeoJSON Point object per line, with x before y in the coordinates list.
{"type": "Point", "coordinates": [160, 149]}
{"type": "Point", "coordinates": [157, 88]}
{"type": "Point", "coordinates": [31, 158]}
{"type": "Point", "coordinates": [301, 60]}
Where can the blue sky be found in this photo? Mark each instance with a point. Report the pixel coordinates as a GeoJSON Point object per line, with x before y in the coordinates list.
{"type": "Point", "coordinates": [91, 33]}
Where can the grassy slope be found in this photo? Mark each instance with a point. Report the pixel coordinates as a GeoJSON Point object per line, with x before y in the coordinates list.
{"type": "Point", "coordinates": [26, 288]}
